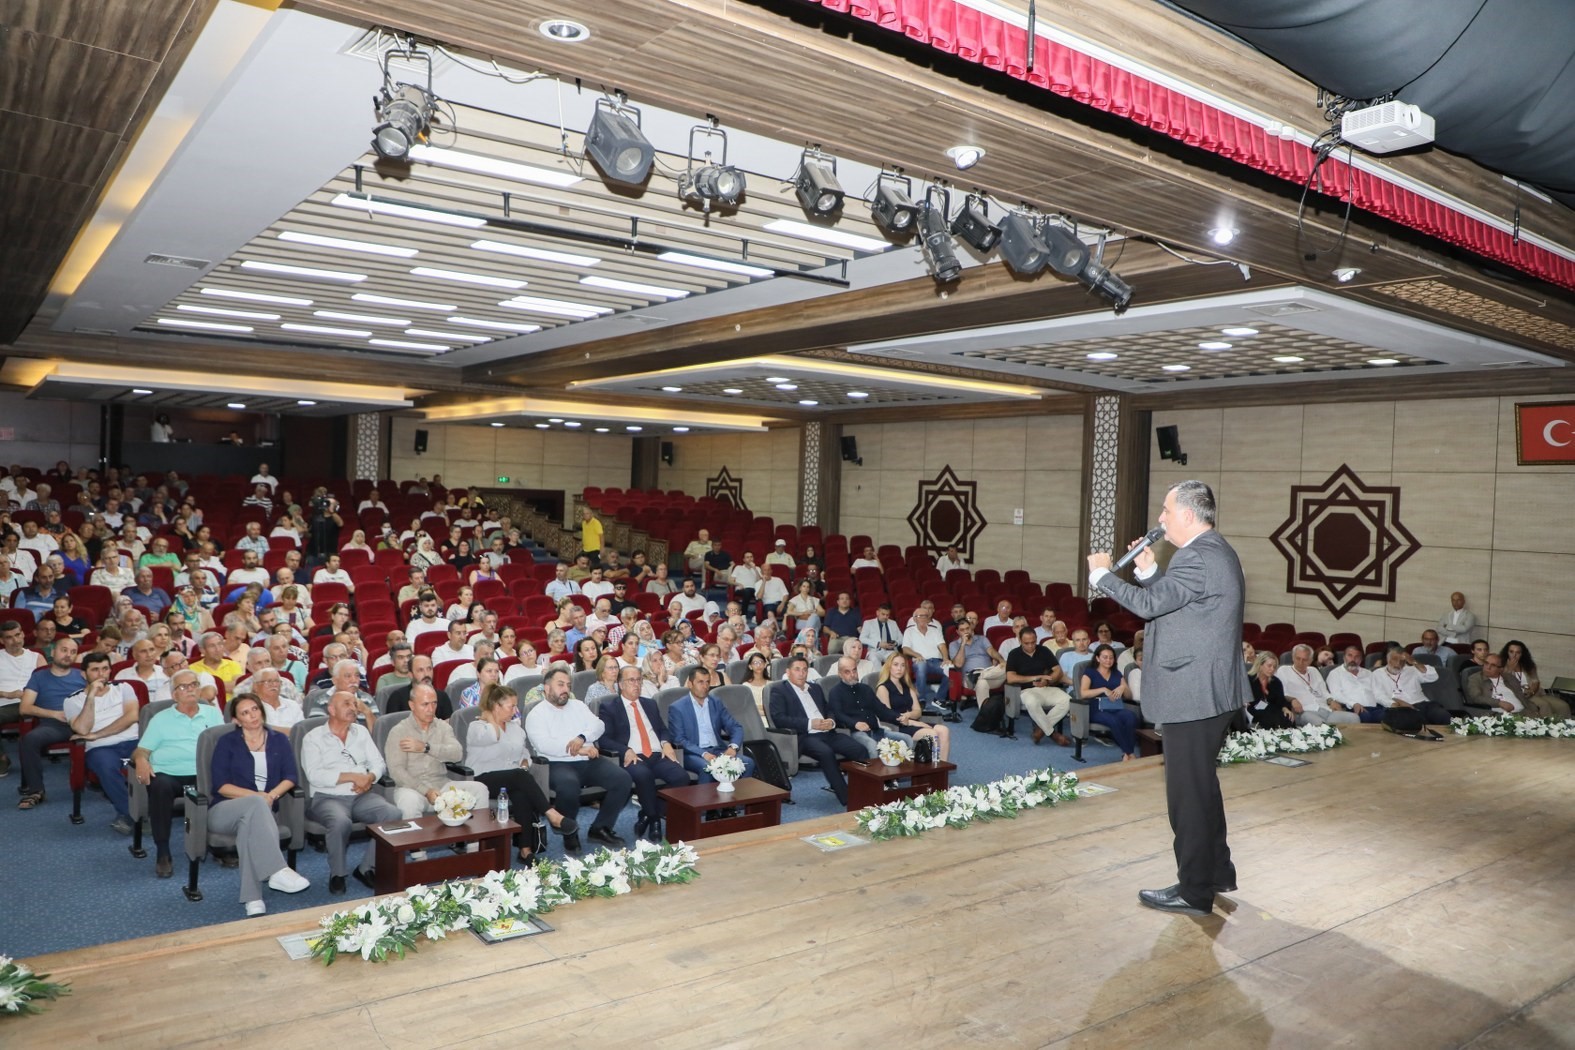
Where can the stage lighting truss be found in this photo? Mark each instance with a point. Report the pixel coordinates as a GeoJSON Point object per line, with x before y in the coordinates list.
{"type": "Point", "coordinates": [615, 143]}
{"type": "Point", "coordinates": [404, 111]}
{"type": "Point", "coordinates": [893, 209]}
{"type": "Point", "coordinates": [709, 181]}
{"type": "Point", "coordinates": [936, 238]}
{"type": "Point", "coordinates": [819, 192]}
{"type": "Point", "coordinates": [973, 227]}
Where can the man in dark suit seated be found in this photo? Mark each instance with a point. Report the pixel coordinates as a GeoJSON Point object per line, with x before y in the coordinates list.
{"type": "Point", "coordinates": [635, 736]}
{"type": "Point", "coordinates": [854, 705]}
{"type": "Point", "coordinates": [799, 707]}
{"type": "Point", "coordinates": [703, 728]}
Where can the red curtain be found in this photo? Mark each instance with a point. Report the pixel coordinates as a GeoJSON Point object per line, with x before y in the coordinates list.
{"type": "Point", "coordinates": [969, 34]}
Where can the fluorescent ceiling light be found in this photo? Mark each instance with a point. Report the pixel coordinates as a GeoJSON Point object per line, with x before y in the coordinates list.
{"type": "Point", "coordinates": [335, 315]}
{"type": "Point", "coordinates": [250, 315]}
{"type": "Point", "coordinates": [555, 419]}
{"type": "Point", "coordinates": [400, 344]}
{"type": "Point", "coordinates": [412, 304]}
{"type": "Point", "coordinates": [303, 271]}
{"type": "Point", "coordinates": [826, 235]}
{"type": "Point", "coordinates": [468, 278]}
{"type": "Point", "coordinates": [603, 430]}
{"type": "Point", "coordinates": [722, 265]}
{"type": "Point", "coordinates": [634, 429]}
{"type": "Point", "coordinates": [464, 337]}
{"type": "Point", "coordinates": [544, 254]}
{"type": "Point", "coordinates": [776, 379]}
{"type": "Point", "coordinates": [560, 307]}
{"type": "Point", "coordinates": [787, 386]}
{"type": "Point", "coordinates": [347, 245]}
{"type": "Point", "coordinates": [407, 211]}
{"type": "Point", "coordinates": [257, 297]}
{"type": "Point", "coordinates": [207, 326]}
{"type": "Point", "coordinates": [506, 169]}
{"type": "Point", "coordinates": [634, 287]}
{"type": "Point", "coordinates": [499, 325]}
{"type": "Point", "coordinates": [317, 329]}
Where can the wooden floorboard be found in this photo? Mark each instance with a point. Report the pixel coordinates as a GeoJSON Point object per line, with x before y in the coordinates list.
{"type": "Point", "coordinates": [1393, 894]}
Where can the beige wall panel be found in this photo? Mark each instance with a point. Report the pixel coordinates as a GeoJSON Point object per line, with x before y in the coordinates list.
{"type": "Point", "coordinates": [1404, 629]}
{"type": "Point", "coordinates": [999, 547]}
{"type": "Point", "coordinates": [522, 446]}
{"type": "Point", "coordinates": [471, 443]}
{"type": "Point", "coordinates": [1002, 443]}
{"type": "Point", "coordinates": [1051, 554]}
{"type": "Point", "coordinates": [1257, 439]}
{"type": "Point", "coordinates": [566, 450]}
{"type": "Point", "coordinates": [1447, 510]}
{"type": "Point", "coordinates": [1202, 439]}
{"type": "Point", "coordinates": [898, 490]}
{"type": "Point", "coordinates": [1264, 569]}
{"type": "Point", "coordinates": [1000, 492]}
{"type": "Point", "coordinates": [785, 447]}
{"type": "Point", "coordinates": [1360, 436]}
{"type": "Point", "coordinates": [1533, 592]}
{"type": "Point", "coordinates": [859, 526]}
{"type": "Point", "coordinates": [1445, 436]}
{"type": "Point", "coordinates": [1526, 505]}
{"type": "Point", "coordinates": [1264, 613]}
{"type": "Point", "coordinates": [1259, 501]}
{"type": "Point", "coordinates": [1433, 574]}
{"type": "Point", "coordinates": [950, 443]}
{"type": "Point", "coordinates": [1053, 497]}
{"type": "Point", "coordinates": [860, 497]}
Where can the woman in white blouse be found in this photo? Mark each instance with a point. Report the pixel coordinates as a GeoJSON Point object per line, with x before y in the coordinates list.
{"type": "Point", "coordinates": [495, 752]}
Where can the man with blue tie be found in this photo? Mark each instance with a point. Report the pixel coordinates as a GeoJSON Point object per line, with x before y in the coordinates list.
{"type": "Point", "coordinates": [635, 736]}
{"type": "Point", "coordinates": [798, 706]}
{"type": "Point", "coordinates": [700, 725]}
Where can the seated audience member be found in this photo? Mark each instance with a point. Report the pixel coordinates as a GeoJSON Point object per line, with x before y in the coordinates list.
{"type": "Point", "coordinates": [1350, 687]}
{"type": "Point", "coordinates": [606, 683]}
{"type": "Point", "coordinates": [488, 673]}
{"type": "Point", "coordinates": [282, 655]}
{"type": "Point", "coordinates": [104, 717]}
{"type": "Point", "coordinates": [563, 732]}
{"type": "Point", "coordinates": [702, 728]}
{"type": "Point", "coordinates": [854, 706]}
{"type": "Point", "coordinates": [718, 565]}
{"type": "Point", "coordinates": [1002, 617]}
{"type": "Point", "coordinates": [746, 578]}
{"type": "Point", "coordinates": [863, 665]}
{"type": "Point", "coordinates": [695, 552]}
{"type": "Point", "coordinates": [215, 661]}
{"type": "Point", "coordinates": [798, 706]}
{"type": "Point", "coordinates": [1045, 631]}
{"type": "Point", "coordinates": [560, 586]}
{"type": "Point", "coordinates": [689, 599]}
{"type": "Point", "coordinates": [635, 735]}
{"type": "Point", "coordinates": [67, 623]}
{"type": "Point", "coordinates": [1478, 655]}
{"type": "Point", "coordinates": [253, 540]}
{"type": "Point", "coordinates": [331, 572]}
{"type": "Point", "coordinates": [417, 751]}
{"type": "Point", "coordinates": [899, 697]}
{"type": "Point", "coordinates": [1308, 693]}
{"type": "Point", "coordinates": [1104, 635]}
{"type": "Point", "coordinates": [1080, 651]}
{"type": "Point", "coordinates": [1134, 673]}
{"type": "Point", "coordinates": [1269, 708]}
{"type": "Point", "coordinates": [596, 586]}
{"type": "Point", "coordinates": [342, 766]}
{"type": "Point", "coordinates": [1458, 624]}
{"type": "Point", "coordinates": [1431, 647]}
{"type": "Point", "coordinates": [17, 664]}
{"type": "Point", "coordinates": [39, 597]}
{"type": "Point", "coordinates": [1493, 689]}
{"type": "Point", "coordinates": [924, 644]}
{"type": "Point", "coordinates": [1326, 657]}
{"type": "Point", "coordinates": [639, 568]}
{"type": "Point", "coordinates": [279, 711]}
{"type": "Point", "coordinates": [866, 560]}
{"type": "Point", "coordinates": [805, 607]}
{"type": "Point", "coordinates": [952, 559]}
{"type": "Point", "coordinates": [842, 622]}
{"type": "Point", "coordinates": [983, 669]}
{"type": "Point", "coordinates": [612, 569]}
{"type": "Point", "coordinates": [771, 600]}
{"type": "Point", "coordinates": [496, 752]}
{"type": "Point", "coordinates": [1519, 666]}
{"type": "Point", "coordinates": [44, 698]}
{"type": "Point", "coordinates": [580, 571]}
{"type": "Point", "coordinates": [1398, 683]}
{"type": "Point", "coordinates": [421, 673]}
{"type": "Point", "coordinates": [660, 584]}
{"type": "Point", "coordinates": [881, 636]}
{"type": "Point", "coordinates": [165, 760]}
{"type": "Point", "coordinates": [456, 647]}
{"type": "Point", "coordinates": [159, 555]}
{"type": "Point", "coordinates": [779, 556]}
{"type": "Point", "coordinates": [252, 769]}
{"type": "Point", "coordinates": [602, 617]}
{"type": "Point", "coordinates": [251, 571]}
{"type": "Point", "coordinates": [1106, 687]}
{"type": "Point", "coordinates": [1031, 666]}
{"type": "Point", "coordinates": [427, 618]}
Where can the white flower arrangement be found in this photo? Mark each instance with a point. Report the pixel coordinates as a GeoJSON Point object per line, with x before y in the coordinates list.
{"type": "Point", "coordinates": [959, 806]}
{"type": "Point", "coordinates": [453, 803]}
{"type": "Point", "coordinates": [21, 989]}
{"type": "Point", "coordinates": [1258, 744]}
{"type": "Point", "coordinates": [380, 930]}
{"type": "Point", "coordinates": [1515, 725]}
{"type": "Point", "coordinates": [725, 768]}
{"type": "Point", "coordinates": [893, 750]}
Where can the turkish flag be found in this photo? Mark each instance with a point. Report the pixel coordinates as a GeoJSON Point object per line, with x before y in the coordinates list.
{"type": "Point", "coordinates": [1545, 432]}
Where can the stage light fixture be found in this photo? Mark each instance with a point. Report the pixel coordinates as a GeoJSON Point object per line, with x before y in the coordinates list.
{"type": "Point", "coordinates": [404, 111]}
{"type": "Point", "coordinates": [1068, 254]}
{"type": "Point", "coordinates": [616, 144]}
{"type": "Point", "coordinates": [893, 209]}
{"type": "Point", "coordinates": [819, 192]}
{"type": "Point", "coordinates": [1071, 257]}
{"type": "Point", "coordinates": [973, 227]}
{"type": "Point", "coordinates": [714, 181]}
{"type": "Point", "coordinates": [938, 250]}
{"type": "Point", "coordinates": [1024, 250]}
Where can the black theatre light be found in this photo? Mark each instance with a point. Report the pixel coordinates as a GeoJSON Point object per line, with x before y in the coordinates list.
{"type": "Point", "coordinates": [938, 250]}
{"type": "Point", "coordinates": [614, 141]}
{"type": "Point", "coordinates": [892, 209]}
{"type": "Point", "coordinates": [404, 111]}
{"type": "Point", "coordinates": [714, 181]}
{"type": "Point", "coordinates": [973, 227]}
{"type": "Point", "coordinates": [818, 190]}
{"type": "Point", "coordinates": [1071, 257]}
{"type": "Point", "coordinates": [1021, 246]}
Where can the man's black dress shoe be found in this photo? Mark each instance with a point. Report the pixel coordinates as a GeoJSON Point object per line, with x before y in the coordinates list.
{"type": "Point", "coordinates": [606, 837]}
{"type": "Point", "coordinates": [365, 879]}
{"type": "Point", "coordinates": [571, 842]}
{"type": "Point", "coordinates": [641, 823]}
{"type": "Point", "coordinates": [336, 885]}
{"type": "Point", "coordinates": [1171, 900]}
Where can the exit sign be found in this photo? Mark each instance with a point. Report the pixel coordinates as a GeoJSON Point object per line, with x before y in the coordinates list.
{"type": "Point", "coordinates": [502, 480]}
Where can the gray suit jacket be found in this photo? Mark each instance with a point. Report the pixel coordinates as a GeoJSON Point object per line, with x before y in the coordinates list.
{"type": "Point", "coordinates": [1192, 645]}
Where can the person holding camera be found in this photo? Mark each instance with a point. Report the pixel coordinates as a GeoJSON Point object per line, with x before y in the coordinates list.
{"type": "Point", "coordinates": [324, 525]}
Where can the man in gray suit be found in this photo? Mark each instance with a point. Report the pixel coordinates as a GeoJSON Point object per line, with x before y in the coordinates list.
{"type": "Point", "coordinates": [1192, 673]}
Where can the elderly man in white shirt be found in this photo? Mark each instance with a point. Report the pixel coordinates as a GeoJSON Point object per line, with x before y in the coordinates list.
{"type": "Point", "coordinates": [925, 645]}
{"type": "Point", "coordinates": [1459, 624]}
{"type": "Point", "coordinates": [1350, 686]}
{"type": "Point", "coordinates": [342, 767]}
{"type": "Point", "coordinates": [456, 647]}
{"type": "Point", "coordinates": [952, 559]}
{"type": "Point", "coordinates": [560, 586]}
{"type": "Point", "coordinates": [563, 732]}
{"type": "Point", "coordinates": [1399, 681]}
{"type": "Point", "coordinates": [1307, 691]}
{"type": "Point", "coordinates": [280, 709]}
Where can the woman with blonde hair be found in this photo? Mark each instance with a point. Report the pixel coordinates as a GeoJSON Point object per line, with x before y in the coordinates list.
{"type": "Point", "coordinates": [495, 752]}
{"type": "Point", "coordinates": [897, 693]}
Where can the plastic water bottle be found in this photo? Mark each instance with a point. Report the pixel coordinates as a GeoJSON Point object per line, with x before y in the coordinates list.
{"type": "Point", "coordinates": [501, 809]}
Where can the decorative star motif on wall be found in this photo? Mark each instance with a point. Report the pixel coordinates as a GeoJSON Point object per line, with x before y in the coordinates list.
{"type": "Point", "coordinates": [1343, 542]}
{"type": "Point", "coordinates": [726, 488]}
{"type": "Point", "coordinates": [947, 513]}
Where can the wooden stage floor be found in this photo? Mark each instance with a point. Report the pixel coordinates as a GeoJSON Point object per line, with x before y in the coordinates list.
{"type": "Point", "coordinates": [1393, 894]}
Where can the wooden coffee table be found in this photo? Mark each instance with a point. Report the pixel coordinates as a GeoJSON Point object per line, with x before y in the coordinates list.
{"type": "Point", "coordinates": [760, 803]}
{"type": "Point", "coordinates": [396, 871]}
{"type": "Point", "coordinates": [1150, 743]}
{"type": "Point", "coordinates": [870, 784]}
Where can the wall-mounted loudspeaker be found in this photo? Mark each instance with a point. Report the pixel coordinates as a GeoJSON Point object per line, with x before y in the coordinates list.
{"type": "Point", "coordinates": [1170, 444]}
{"type": "Point", "coordinates": [421, 441]}
{"type": "Point", "coordinates": [667, 453]}
{"type": "Point", "coordinates": [850, 451]}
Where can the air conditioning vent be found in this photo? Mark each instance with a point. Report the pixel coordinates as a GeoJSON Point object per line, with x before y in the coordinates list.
{"type": "Point", "coordinates": [95, 331]}
{"type": "Point", "coordinates": [1282, 309]}
{"type": "Point", "coordinates": [179, 261]}
{"type": "Point", "coordinates": [373, 44]}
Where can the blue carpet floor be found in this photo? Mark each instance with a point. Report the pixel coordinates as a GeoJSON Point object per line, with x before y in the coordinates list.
{"type": "Point", "coordinates": [72, 886]}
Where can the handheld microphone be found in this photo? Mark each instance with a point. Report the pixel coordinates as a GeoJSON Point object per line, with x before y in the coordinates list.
{"type": "Point", "coordinates": [1157, 532]}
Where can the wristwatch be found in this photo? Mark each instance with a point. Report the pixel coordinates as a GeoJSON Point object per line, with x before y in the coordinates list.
{"type": "Point", "coordinates": [427, 747]}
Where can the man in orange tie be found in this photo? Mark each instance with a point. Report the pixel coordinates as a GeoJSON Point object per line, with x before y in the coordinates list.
{"type": "Point", "coordinates": [639, 740]}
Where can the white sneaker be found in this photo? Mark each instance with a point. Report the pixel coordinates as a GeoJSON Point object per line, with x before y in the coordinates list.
{"type": "Point", "coordinates": [287, 880]}
{"type": "Point", "coordinates": [257, 907]}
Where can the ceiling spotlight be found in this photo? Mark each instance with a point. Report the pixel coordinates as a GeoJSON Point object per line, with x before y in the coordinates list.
{"type": "Point", "coordinates": [1346, 274]}
{"type": "Point", "coordinates": [787, 386]}
{"type": "Point", "coordinates": [713, 182]}
{"type": "Point", "coordinates": [938, 250]}
{"type": "Point", "coordinates": [140, 390]}
{"type": "Point", "coordinates": [893, 209]}
{"type": "Point", "coordinates": [1177, 368]}
{"type": "Point", "coordinates": [404, 111]}
{"type": "Point", "coordinates": [965, 157]}
{"type": "Point", "coordinates": [858, 395]}
{"type": "Point", "coordinates": [1383, 361]}
{"type": "Point", "coordinates": [614, 141]}
{"type": "Point", "coordinates": [572, 424]}
{"type": "Point", "coordinates": [494, 424]}
{"type": "Point", "coordinates": [1238, 332]}
{"type": "Point", "coordinates": [543, 426]}
{"type": "Point", "coordinates": [238, 406]}
{"type": "Point", "coordinates": [1288, 359]}
{"type": "Point", "coordinates": [564, 31]}
{"type": "Point", "coordinates": [1214, 345]}
{"type": "Point", "coordinates": [1102, 355]}
{"type": "Point", "coordinates": [672, 389]}
{"type": "Point", "coordinates": [603, 430]}
{"type": "Point", "coordinates": [1021, 246]}
{"type": "Point", "coordinates": [973, 227]}
{"type": "Point", "coordinates": [816, 184]}
{"type": "Point", "coordinates": [680, 430]}
{"type": "Point", "coordinates": [306, 404]}
{"type": "Point", "coordinates": [809, 402]}
{"type": "Point", "coordinates": [634, 430]}
{"type": "Point", "coordinates": [554, 419]}
{"type": "Point", "coordinates": [1222, 235]}
{"type": "Point", "coordinates": [732, 390]}
{"type": "Point", "coordinates": [1070, 256]}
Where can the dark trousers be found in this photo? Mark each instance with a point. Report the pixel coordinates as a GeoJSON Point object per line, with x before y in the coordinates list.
{"type": "Point", "coordinates": [43, 736]}
{"type": "Point", "coordinates": [829, 749]}
{"type": "Point", "coordinates": [162, 793]}
{"type": "Point", "coordinates": [1197, 809]}
{"type": "Point", "coordinates": [568, 778]}
{"type": "Point", "coordinates": [650, 772]}
{"type": "Point", "coordinates": [108, 763]}
{"type": "Point", "coordinates": [1433, 713]}
{"type": "Point", "coordinates": [527, 801]}
{"type": "Point", "coordinates": [1122, 723]}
